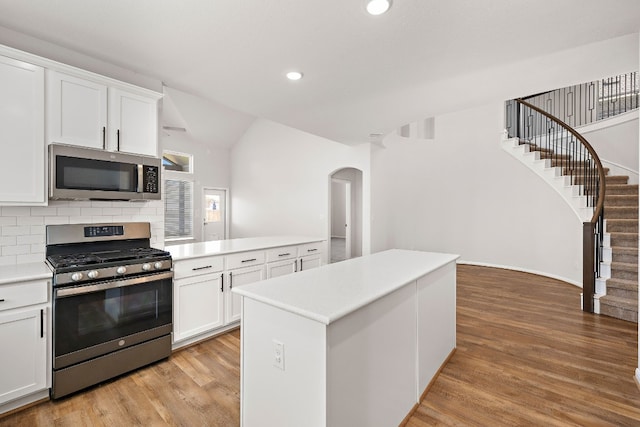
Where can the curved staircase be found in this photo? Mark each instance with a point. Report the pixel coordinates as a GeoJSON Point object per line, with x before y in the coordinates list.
{"type": "Point", "coordinates": [617, 286]}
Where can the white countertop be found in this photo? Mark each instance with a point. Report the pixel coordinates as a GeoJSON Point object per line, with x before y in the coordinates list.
{"type": "Point", "coordinates": [327, 293]}
{"type": "Point", "coordinates": [24, 272]}
{"type": "Point", "coordinates": [221, 247]}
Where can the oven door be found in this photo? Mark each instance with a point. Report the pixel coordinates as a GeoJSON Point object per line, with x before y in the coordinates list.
{"type": "Point", "coordinates": [96, 319]}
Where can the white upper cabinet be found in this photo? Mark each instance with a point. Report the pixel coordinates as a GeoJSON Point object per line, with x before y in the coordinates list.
{"type": "Point", "coordinates": [95, 114]}
{"type": "Point", "coordinates": [133, 123]}
{"type": "Point", "coordinates": [77, 111]}
{"type": "Point", "coordinates": [23, 172]}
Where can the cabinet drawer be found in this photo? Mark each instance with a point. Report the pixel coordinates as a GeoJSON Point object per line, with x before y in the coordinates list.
{"type": "Point", "coordinates": [245, 259]}
{"type": "Point", "coordinates": [23, 294]}
{"type": "Point", "coordinates": [197, 266]}
{"type": "Point", "coordinates": [279, 254]}
{"type": "Point", "coordinates": [310, 249]}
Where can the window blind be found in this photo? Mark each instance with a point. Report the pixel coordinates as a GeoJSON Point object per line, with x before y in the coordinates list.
{"type": "Point", "coordinates": [178, 209]}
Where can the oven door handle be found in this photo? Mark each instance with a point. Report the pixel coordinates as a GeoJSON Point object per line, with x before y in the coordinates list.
{"type": "Point", "coordinates": [103, 286]}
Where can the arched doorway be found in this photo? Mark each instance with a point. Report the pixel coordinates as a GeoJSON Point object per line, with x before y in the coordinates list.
{"type": "Point", "coordinates": [345, 214]}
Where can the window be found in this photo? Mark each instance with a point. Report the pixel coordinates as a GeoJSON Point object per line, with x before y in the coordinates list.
{"type": "Point", "coordinates": [178, 209]}
{"type": "Point", "coordinates": [178, 195]}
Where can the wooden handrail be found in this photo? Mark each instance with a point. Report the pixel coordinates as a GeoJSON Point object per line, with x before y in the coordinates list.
{"type": "Point", "coordinates": [601, 176]}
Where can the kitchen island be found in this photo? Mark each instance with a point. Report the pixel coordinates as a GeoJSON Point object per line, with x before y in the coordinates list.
{"type": "Point", "coordinates": [348, 344]}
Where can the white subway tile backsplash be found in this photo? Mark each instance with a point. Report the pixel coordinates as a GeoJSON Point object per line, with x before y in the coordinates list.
{"type": "Point", "coordinates": [30, 220]}
{"type": "Point", "coordinates": [8, 220]}
{"type": "Point", "coordinates": [23, 229]}
{"type": "Point", "coordinates": [67, 211]}
{"type": "Point", "coordinates": [11, 230]}
{"type": "Point", "coordinates": [30, 239]}
{"type": "Point", "coordinates": [16, 211]}
{"type": "Point", "coordinates": [43, 211]}
{"type": "Point", "coordinates": [16, 250]}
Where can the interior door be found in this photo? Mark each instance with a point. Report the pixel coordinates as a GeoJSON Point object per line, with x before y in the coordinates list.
{"type": "Point", "coordinates": [214, 214]}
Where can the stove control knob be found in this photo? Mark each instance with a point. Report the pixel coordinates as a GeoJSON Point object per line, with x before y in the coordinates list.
{"type": "Point", "coordinates": [146, 266]}
{"type": "Point", "coordinates": [121, 270]}
{"type": "Point", "coordinates": [76, 276]}
{"type": "Point", "coordinates": [92, 274]}
{"type": "Point", "coordinates": [158, 265]}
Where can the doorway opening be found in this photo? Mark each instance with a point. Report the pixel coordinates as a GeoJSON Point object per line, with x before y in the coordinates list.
{"type": "Point", "coordinates": [345, 224]}
{"type": "Point", "coordinates": [214, 214]}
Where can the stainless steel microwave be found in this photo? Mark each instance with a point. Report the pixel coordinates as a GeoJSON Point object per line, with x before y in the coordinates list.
{"type": "Point", "coordinates": [78, 173]}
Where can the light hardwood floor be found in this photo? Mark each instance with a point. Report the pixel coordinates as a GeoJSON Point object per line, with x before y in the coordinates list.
{"type": "Point", "coordinates": [526, 356]}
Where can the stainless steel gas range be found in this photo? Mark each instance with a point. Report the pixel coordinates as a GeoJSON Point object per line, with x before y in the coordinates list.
{"type": "Point", "coordinates": [112, 302]}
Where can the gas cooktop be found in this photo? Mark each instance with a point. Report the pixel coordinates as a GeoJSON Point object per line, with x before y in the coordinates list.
{"type": "Point", "coordinates": [101, 257]}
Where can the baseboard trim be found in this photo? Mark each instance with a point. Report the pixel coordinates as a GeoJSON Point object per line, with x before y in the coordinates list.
{"type": "Point", "coordinates": [524, 270]}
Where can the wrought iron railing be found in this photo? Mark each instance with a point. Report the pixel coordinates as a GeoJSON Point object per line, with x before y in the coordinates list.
{"type": "Point", "coordinates": [566, 148]}
{"type": "Point", "coordinates": [586, 103]}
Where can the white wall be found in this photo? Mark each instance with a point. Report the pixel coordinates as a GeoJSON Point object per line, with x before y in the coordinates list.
{"type": "Point", "coordinates": [460, 193]}
{"type": "Point", "coordinates": [280, 179]}
{"type": "Point", "coordinates": [616, 143]}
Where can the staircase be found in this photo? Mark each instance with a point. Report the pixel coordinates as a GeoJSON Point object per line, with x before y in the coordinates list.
{"type": "Point", "coordinates": [619, 281]}
{"type": "Point", "coordinates": [617, 288]}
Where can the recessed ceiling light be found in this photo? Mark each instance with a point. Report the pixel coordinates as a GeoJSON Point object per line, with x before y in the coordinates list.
{"type": "Point", "coordinates": [294, 75]}
{"type": "Point", "coordinates": [378, 7]}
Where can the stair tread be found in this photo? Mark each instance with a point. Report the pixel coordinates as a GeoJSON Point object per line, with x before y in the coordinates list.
{"type": "Point", "coordinates": [624, 249]}
{"type": "Point", "coordinates": [623, 283]}
{"type": "Point", "coordinates": [624, 264]}
{"type": "Point", "coordinates": [620, 302]}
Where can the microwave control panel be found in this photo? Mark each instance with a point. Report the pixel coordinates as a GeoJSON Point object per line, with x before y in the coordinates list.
{"type": "Point", "coordinates": [150, 178]}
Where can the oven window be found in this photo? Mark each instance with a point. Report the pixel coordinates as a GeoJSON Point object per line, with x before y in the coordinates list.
{"type": "Point", "coordinates": [86, 320]}
{"type": "Point", "coordinates": [89, 174]}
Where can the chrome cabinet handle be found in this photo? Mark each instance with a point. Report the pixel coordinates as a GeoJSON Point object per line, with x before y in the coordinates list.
{"type": "Point", "coordinates": [231, 280]}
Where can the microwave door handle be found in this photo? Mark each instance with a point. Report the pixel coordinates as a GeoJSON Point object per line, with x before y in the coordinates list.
{"type": "Point", "coordinates": [140, 174]}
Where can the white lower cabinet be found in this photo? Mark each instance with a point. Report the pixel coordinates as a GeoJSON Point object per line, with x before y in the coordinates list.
{"type": "Point", "coordinates": [203, 303]}
{"type": "Point", "coordinates": [198, 305]}
{"type": "Point", "coordinates": [235, 278]}
{"type": "Point", "coordinates": [292, 259]}
{"type": "Point", "coordinates": [24, 320]}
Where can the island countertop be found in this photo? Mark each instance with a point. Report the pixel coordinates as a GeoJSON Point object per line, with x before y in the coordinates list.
{"type": "Point", "coordinates": [328, 293]}
{"type": "Point", "coordinates": [222, 247]}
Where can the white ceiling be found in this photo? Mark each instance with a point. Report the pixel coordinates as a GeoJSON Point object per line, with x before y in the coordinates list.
{"type": "Point", "coordinates": [362, 73]}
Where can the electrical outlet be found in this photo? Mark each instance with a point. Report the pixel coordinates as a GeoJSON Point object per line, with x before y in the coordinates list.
{"type": "Point", "coordinates": [278, 354]}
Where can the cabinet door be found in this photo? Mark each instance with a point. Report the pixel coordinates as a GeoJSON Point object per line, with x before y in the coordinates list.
{"type": "Point", "coordinates": [310, 261]}
{"type": "Point", "coordinates": [133, 123]}
{"type": "Point", "coordinates": [76, 111]}
{"type": "Point", "coordinates": [23, 359]}
{"type": "Point", "coordinates": [281, 268]}
{"type": "Point", "coordinates": [239, 277]}
{"type": "Point", "coordinates": [22, 176]}
{"type": "Point", "coordinates": [197, 305]}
